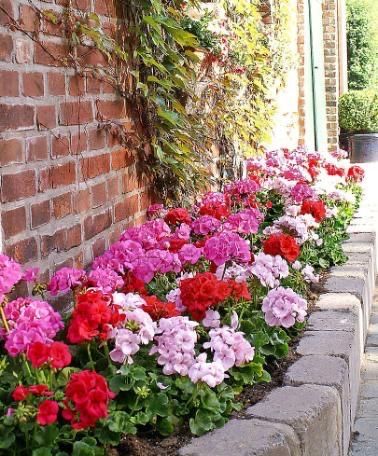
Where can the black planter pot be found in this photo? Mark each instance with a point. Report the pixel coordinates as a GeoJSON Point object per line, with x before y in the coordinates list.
{"type": "Point", "coordinates": [363, 148]}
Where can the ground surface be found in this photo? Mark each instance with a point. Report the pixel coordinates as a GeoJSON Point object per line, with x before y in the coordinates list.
{"type": "Point", "coordinates": [365, 441]}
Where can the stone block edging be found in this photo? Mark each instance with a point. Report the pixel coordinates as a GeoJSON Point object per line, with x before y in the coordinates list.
{"type": "Point", "coordinates": [313, 413]}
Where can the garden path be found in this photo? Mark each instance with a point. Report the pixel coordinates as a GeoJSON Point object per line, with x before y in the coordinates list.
{"type": "Point", "coordinates": [365, 442]}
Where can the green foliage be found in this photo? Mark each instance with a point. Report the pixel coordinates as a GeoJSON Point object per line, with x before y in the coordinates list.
{"type": "Point", "coordinates": [159, 61]}
{"type": "Point", "coordinates": [361, 53]}
{"type": "Point", "coordinates": [358, 111]}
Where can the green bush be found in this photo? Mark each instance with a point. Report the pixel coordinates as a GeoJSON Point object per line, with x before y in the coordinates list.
{"type": "Point", "coordinates": [361, 55]}
{"type": "Point", "coordinates": [358, 111]}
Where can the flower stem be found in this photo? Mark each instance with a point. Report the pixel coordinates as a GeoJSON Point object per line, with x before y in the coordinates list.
{"type": "Point", "coordinates": [91, 363]}
{"type": "Point", "coordinates": [3, 318]}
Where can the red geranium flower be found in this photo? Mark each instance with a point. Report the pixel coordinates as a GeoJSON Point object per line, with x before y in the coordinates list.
{"type": "Point", "coordinates": [60, 355]}
{"type": "Point", "coordinates": [355, 174]}
{"type": "Point", "coordinates": [133, 284]}
{"type": "Point", "coordinates": [177, 216]}
{"type": "Point", "coordinates": [38, 354]}
{"type": "Point", "coordinates": [204, 290]}
{"type": "Point", "coordinates": [40, 390]}
{"type": "Point", "coordinates": [87, 399]}
{"type": "Point", "coordinates": [20, 393]}
{"type": "Point", "coordinates": [158, 309]}
{"type": "Point", "coordinates": [93, 317]}
{"type": "Point", "coordinates": [282, 244]}
{"type": "Point", "coordinates": [316, 208]}
{"type": "Point", "coordinates": [47, 412]}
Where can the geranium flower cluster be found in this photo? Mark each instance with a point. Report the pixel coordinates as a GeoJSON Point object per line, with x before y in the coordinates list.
{"type": "Point", "coordinates": [269, 269]}
{"type": "Point", "coordinates": [93, 316]}
{"type": "Point", "coordinates": [86, 399]}
{"type": "Point", "coordinates": [283, 307]}
{"type": "Point", "coordinates": [30, 321]}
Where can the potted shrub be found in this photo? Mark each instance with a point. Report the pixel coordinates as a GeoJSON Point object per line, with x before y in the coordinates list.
{"type": "Point", "coordinates": [358, 118]}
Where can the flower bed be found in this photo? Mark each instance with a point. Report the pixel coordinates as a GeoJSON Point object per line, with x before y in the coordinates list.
{"type": "Point", "coordinates": [178, 316]}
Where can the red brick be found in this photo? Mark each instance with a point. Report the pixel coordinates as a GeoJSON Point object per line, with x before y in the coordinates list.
{"type": "Point", "coordinates": [78, 4]}
{"type": "Point", "coordinates": [49, 53]}
{"type": "Point", "coordinates": [81, 201]}
{"type": "Point", "coordinates": [98, 247]}
{"type": "Point", "coordinates": [6, 47]}
{"type": "Point", "coordinates": [107, 87]}
{"type": "Point", "coordinates": [78, 142]}
{"type": "Point", "coordinates": [33, 84]}
{"type": "Point", "coordinates": [73, 237]}
{"type": "Point", "coordinates": [13, 221]}
{"type": "Point", "coordinates": [23, 251]}
{"type": "Point", "coordinates": [75, 113]}
{"type": "Point", "coordinates": [79, 261]}
{"type": "Point", "coordinates": [46, 117]}
{"type": "Point", "coordinates": [121, 159]}
{"type": "Point", "coordinates": [98, 194]}
{"type": "Point", "coordinates": [53, 242]}
{"type": "Point", "coordinates": [23, 50]}
{"type": "Point", "coordinates": [6, 12]}
{"type": "Point", "coordinates": [16, 117]}
{"type": "Point", "coordinates": [40, 213]}
{"type": "Point", "coordinates": [91, 56]}
{"type": "Point", "coordinates": [93, 85]}
{"type": "Point", "coordinates": [49, 28]}
{"type": "Point", "coordinates": [146, 199]}
{"type": "Point", "coordinates": [95, 166]}
{"type": "Point", "coordinates": [96, 224]}
{"type": "Point", "coordinates": [17, 186]}
{"type": "Point", "coordinates": [56, 84]}
{"type": "Point", "coordinates": [11, 151]}
{"type": "Point", "coordinates": [56, 176]}
{"type": "Point", "coordinates": [115, 235]}
{"type": "Point", "coordinates": [126, 208]}
{"type": "Point", "coordinates": [37, 148]}
{"type": "Point", "coordinates": [76, 86]}
{"type": "Point", "coordinates": [62, 205]}
{"type": "Point", "coordinates": [60, 146]}
{"type": "Point", "coordinates": [112, 188]}
{"type": "Point", "coordinates": [29, 19]}
{"type": "Point", "coordinates": [8, 84]}
{"type": "Point", "coordinates": [129, 182]}
{"type": "Point", "coordinates": [105, 8]}
{"type": "Point", "coordinates": [115, 109]}
{"type": "Point", "coordinates": [68, 263]}
{"type": "Point", "coordinates": [96, 139]}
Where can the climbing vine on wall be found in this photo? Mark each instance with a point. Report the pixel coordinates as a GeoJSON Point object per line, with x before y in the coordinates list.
{"type": "Point", "coordinates": [194, 75]}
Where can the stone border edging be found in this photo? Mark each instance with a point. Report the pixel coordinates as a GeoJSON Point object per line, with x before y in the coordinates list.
{"type": "Point", "coordinates": [313, 414]}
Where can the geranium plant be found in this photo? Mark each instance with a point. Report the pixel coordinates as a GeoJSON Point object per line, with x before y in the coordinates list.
{"type": "Point", "coordinates": [175, 318]}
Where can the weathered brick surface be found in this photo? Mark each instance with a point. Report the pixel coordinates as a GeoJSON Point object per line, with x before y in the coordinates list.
{"type": "Point", "coordinates": [67, 187]}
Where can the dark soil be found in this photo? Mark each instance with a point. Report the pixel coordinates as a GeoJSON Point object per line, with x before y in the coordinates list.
{"type": "Point", "coordinates": [153, 445]}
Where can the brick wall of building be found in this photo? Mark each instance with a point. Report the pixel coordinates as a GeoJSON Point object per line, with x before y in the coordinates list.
{"type": "Point", "coordinates": [331, 64]}
{"type": "Point", "coordinates": [68, 188]}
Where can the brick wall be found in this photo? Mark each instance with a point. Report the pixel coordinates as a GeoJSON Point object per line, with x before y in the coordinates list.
{"type": "Point", "coordinates": [67, 188]}
{"type": "Point", "coordinates": [331, 60]}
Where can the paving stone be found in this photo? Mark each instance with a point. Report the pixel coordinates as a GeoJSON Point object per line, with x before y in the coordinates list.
{"type": "Point", "coordinates": [369, 390]}
{"type": "Point", "coordinates": [369, 372]}
{"type": "Point", "coordinates": [329, 371]}
{"type": "Point", "coordinates": [364, 449]}
{"type": "Point", "coordinates": [366, 429]}
{"type": "Point", "coordinates": [246, 438]}
{"type": "Point", "coordinates": [362, 237]}
{"type": "Point", "coordinates": [344, 344]}
{"type": "Point", "coordinates": [313, 411]}
{"type": "Point", "coordinates": [368, 408]}
{"type": "Point", "coordinates": [339, 301]}
{"type": "Point", "coordinates": [351, 285]}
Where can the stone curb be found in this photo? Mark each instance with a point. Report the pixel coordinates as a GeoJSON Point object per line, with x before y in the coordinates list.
{"type": "Point", "coordinates": [313, 414]}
